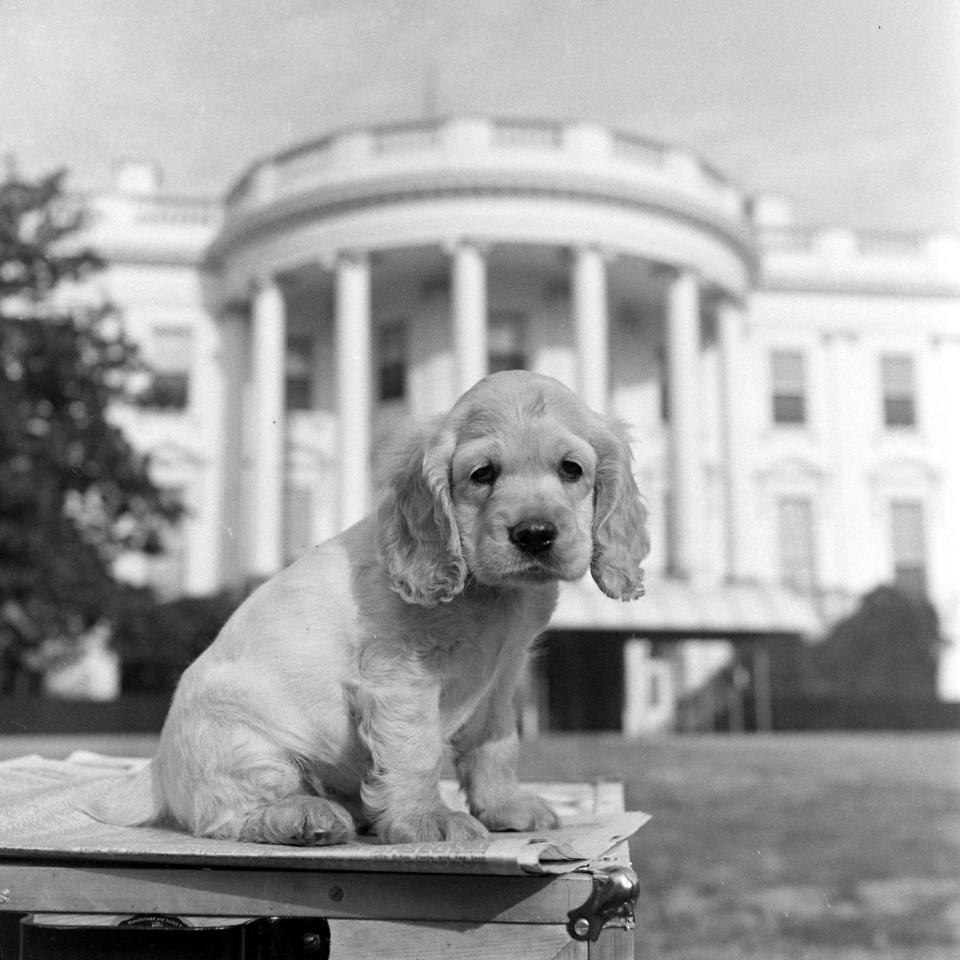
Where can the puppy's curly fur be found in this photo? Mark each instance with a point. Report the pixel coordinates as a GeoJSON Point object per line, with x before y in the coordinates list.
{"type": "Point", "coordinates": [330, 698]}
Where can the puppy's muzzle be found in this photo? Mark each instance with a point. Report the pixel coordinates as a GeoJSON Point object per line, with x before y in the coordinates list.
{"type": "Point", "coordinates": [533, 537]}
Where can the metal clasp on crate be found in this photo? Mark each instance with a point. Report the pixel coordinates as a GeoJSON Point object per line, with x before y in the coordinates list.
{"type": "Point", "coordinates": [615, 891]}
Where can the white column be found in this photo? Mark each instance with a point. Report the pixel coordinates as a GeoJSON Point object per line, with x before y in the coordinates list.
{"type": "Point", "coordinates": [589, 296]}
{"type": "Point", "coordinates": [234, 357]}
{"type": "Point", "coordinates": [943, 524]}
{"type": "Point", "coordinates": [200, 528]}
{"type": "Point", "coordinates": [469, 302]}
{"type": "Point", "coordinates": [686, 480]}
{"type": "Point", "coordinates": [268, 361]}
{"type": "Point", "coordinates": [636, 656]}
{"type": "Point", "coordinates": [352, 345]}
{"type": "Point", "coordinates": [739, 519]}
{"type": "Point", "coordinates": [648, 690]}
{"type": "Point", "coordinates": [854, 543]}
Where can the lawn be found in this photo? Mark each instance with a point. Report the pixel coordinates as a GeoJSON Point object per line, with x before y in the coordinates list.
{"type": "Point", "coordinates": [803, 846]}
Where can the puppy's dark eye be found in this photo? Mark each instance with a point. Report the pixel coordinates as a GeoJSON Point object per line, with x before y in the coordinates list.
{"type": "Point", "coordinates": [570, 470]}
{"type": "Point", "coordinates": [485, 475]}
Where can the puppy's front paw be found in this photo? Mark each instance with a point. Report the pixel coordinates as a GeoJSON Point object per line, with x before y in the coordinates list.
{"type": "Point", "coordinates": [524, 811]}
{"type": "Point", "coordinates": [430, 826]}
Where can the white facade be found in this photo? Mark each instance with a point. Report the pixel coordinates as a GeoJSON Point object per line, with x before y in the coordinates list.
{"type": "Point", "coordinates": [794, 394]}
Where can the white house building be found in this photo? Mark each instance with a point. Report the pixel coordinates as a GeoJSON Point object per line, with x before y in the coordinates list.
{"type": "Point", "coordinates": [794, 393]}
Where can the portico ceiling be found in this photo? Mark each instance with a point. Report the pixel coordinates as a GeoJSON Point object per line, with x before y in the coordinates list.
{"type": "Point", "coordinates": [679, 608]}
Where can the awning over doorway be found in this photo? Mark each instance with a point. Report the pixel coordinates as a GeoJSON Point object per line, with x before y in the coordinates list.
{"type": "Point", "coordinates": [681, 609]}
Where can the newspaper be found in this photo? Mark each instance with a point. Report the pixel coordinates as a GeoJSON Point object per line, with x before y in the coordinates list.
{"type": "Point", "coordinates": [41, 816]}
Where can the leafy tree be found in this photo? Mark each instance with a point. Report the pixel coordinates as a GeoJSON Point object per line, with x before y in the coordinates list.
{"type": "Point", "coordinates": [73, 491]}
{"type": "Point", "coordinates": [888, 647]}
{"type": "Point", "coordinates": [159, 640]}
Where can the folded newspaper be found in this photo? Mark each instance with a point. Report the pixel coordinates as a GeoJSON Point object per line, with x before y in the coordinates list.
{"type": "Point", "coordinates": [41, 817]}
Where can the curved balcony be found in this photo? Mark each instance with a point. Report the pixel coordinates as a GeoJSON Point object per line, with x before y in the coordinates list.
{"type": "Point", "coordinates": [459, 160]}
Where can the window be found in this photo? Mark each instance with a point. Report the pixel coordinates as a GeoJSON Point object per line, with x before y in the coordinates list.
{"type": "Point", "coordinates": [664, 368]}
{"type": "Point", "coordinates": [795, 536]}
{"type": "Point", "coordinates": [908, 546]}
{"type": "Point", "coordinates": [392, 360]}
{"type": "Point", "coordinates": [899, 392]}
{"type": "Point", "coordinates": [297, 519]}
{"type": "Point", "coordinates": [654, 693]}
{"type": "Point", "coordinates": [505, 341]}
{"type": "Point", "coordinates": [166, 569]}
{"type": "Point", "coordinates": [788, 378]}
{"type": "Point", "coordinates": [168, 353]}
{"type": "Point", "coordinates": [299, 378]}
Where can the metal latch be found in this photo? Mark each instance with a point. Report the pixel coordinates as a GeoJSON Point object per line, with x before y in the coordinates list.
{"type": "Point", "coordinates": [615, 891]}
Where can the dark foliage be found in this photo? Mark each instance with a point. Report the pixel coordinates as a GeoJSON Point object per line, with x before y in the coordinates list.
{"type": "Point", "coordinates": [160, 640]}
{"type": "Point", "coordinates": [73, 491]}
{"type": "Point", "coordinates": [887, 647]}
{"type": "Point", "coordinates": [35, 218]}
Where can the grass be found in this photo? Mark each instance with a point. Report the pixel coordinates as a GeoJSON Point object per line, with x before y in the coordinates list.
{"type": "Point", "coordinates": [807, 846]}
{"type": "Point", "coordinates": [784, 847]}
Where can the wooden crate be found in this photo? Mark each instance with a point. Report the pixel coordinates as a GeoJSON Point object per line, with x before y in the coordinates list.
{"type": "Point", "coordinates": [583, 914]}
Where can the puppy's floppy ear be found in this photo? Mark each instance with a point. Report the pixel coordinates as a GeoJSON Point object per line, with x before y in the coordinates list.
{"type": "Point", "coordinates": [620, 538]}
{"type": "Point", "coordinates": [418, 543]}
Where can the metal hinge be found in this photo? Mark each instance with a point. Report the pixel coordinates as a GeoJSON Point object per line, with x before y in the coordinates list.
{"type": "Point", "coordinates": [615, 891]}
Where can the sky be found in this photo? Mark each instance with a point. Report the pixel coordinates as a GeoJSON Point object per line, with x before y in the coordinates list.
{"type": "Point", "coordinates": [848, 108]}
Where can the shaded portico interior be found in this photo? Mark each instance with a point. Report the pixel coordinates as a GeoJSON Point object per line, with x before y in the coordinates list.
{"type": "Point", "coordinates": [653, 664]}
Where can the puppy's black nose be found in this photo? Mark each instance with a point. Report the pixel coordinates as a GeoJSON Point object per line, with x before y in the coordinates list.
{"type": "Point", "coordinates": [533, 536]}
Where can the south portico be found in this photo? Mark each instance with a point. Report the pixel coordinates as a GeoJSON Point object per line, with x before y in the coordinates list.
{"type": "Point", "coordinates": [380, 274]}
{"type": "Point", "coordinates": [342, 301]}
{"type": "Point", "coordinates": [786, 387]}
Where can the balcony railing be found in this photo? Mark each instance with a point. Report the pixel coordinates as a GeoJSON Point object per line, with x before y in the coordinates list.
{"type": "Point", "coordinates": [503, 145]}
{"type": "Point", "coordinates": [863, 247]}
{"type": "Point", "coordinates": [156, 211]}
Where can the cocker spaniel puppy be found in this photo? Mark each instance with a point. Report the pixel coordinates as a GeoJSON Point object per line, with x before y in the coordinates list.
{"type": "Point", "coordinates": [330, 699]}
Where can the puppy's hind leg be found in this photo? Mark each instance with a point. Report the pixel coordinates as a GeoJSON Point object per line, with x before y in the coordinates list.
{"type": "Point", "coordinates": [276, 806]}
{"type": "Point", "coordinates": [250, 789]}
{"type": "Point", "coordinates": [300, 819]}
